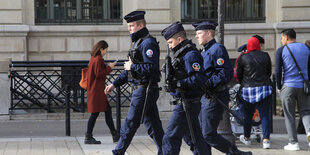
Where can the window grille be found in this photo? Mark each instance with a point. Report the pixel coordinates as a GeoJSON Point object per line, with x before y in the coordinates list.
{"type": "Point", "coordinates": [78, 12]}
{"type": "Point", "coordinates": [236, 11]}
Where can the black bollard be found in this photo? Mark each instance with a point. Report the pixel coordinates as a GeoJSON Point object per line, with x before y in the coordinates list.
{"type": "Point", "coordinates": [67, 102]}
{"type": "Point", "coordinates": [118, 109]}
{"type": "Point", "coordinates": [83, 100]}
{"type": "Point", "coordinates": [273, 105]}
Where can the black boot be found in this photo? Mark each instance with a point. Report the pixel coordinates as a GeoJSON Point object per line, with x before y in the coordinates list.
{"type": "Point", "coordinates": [235, 151]}
{"type": "Point", "coordinates": [89, 139]}
{"type": "Point", "coordinates": [244, 153]}
{"type": "Point", "coordinates": [238, 152]}
{"type": "Point", "coordinates": [115, 136]}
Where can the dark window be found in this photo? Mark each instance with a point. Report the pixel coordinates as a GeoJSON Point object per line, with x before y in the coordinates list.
{"type": "Point", "coordinates": [236, 11]}
{"type": "Point", "coordinates": [78, 12]}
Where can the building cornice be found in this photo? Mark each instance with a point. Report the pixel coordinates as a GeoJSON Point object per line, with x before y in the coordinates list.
{"type": "Point", "coordinates": [14, 30]}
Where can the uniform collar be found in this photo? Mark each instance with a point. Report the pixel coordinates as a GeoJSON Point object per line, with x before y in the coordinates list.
{"type": "Point", "coordinates": [139, 34]}
{"type": "Point", "coordinates": [209, 44]}
{"type": "Point", "coordinates": [181, 44]}
{"type": "Point", "coordinates": [184, 46]}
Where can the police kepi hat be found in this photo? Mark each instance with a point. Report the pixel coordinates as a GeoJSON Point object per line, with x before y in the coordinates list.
{"type": "Point", "coordinates": [172, 29]}
{"type": "Point", "coordinates": [205, 25]}
{"type": "Point", "coordinates": [134, 16]}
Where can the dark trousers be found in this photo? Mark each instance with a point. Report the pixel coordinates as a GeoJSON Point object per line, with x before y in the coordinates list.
{"type": "Point", "coordinates": [210, 116]}
{"type": "Point", "coordinates": [178, 128]}
{"type": "Point", "coordinates": [132, 122]}
{"type": "Point", "coordinates": [263, 108]}
{"type": "Point", "coordinates": [108, 119]}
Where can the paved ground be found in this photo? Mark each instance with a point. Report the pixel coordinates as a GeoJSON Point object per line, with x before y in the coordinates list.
{"type": "Point", "coordinates": [141, 145]}
{"type": "Point", "coordinates": [37, 127]}
{"type": "Point", "coordinates": [47, 137]}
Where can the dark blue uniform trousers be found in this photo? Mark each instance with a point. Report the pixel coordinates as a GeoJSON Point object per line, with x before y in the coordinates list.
{"type": "Point", "coordinates": [210, 115]}
{"type": "Point", "coordinates": [178, 127]}
{"type": "Point", "coordinates": [132, 122]}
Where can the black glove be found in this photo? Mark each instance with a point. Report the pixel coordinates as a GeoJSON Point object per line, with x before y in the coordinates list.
{"type": "Point", "coordinates": [171, 86]}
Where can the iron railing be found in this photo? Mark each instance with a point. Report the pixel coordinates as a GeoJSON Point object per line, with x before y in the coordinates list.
{"type": "Point", "coordinates": [41, 85]}
{"type": "Point", "coordinates": [73, 12]}
{"type": "Point", "coordinates": [236, 11]}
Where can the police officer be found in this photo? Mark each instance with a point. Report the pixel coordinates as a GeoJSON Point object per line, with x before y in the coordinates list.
{"type": "Point", "coordinates": [142, 67]}
{"type": "Point", "coordinates": [188, 76]}
{"type": "Point", "coordinates": [219, 72]}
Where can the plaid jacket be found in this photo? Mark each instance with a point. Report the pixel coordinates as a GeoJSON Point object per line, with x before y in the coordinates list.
{"type": "Point", "coordinates": [255, 94]}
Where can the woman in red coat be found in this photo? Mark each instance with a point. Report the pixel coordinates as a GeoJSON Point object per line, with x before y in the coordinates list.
{"type": "Point", "coordinates": [96, 98]}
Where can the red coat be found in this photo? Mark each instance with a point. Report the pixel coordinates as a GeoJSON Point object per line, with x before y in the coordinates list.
{"type": "Point", "coordinates": [97, 72]}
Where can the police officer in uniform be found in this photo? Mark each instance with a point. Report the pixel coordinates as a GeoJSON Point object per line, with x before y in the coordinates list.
{"type": "Point", "coordinates": [141, 69]}
{"type": "Point", "coordinates": [188, 76]}
{"type": "Point", "coordinates": [219, 72]}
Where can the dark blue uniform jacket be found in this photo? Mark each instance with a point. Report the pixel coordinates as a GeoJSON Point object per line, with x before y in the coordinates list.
{"type": "Point", "coordinates": [217, 66]}
{"type": "Point", "coordinates": [150, 68]}
{"type": "Point", "coordinates": [193, 66]}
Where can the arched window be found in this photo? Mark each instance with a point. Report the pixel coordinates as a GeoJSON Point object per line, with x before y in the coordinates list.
{"type": "Point", "coordinates": [236, 11]}
{"type": "Point", "coordinates": [78, 11]}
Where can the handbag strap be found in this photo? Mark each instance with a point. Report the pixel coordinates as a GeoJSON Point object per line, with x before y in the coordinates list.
{"type": "Point", "coordinates": [299, 71]}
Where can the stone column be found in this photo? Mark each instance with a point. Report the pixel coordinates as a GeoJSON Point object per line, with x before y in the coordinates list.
{"type": "Point", "coordinates": [5, 93]}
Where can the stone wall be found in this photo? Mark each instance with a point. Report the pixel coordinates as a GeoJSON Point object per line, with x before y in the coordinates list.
{"type": "Point", "coordinates": [75, 42]}
{"type": "Point", "coordinates": [297, 10]}
{"type": "Point", "coordinates": [11, 12]}
{"type": "Point", "coordinates": [21, 39]}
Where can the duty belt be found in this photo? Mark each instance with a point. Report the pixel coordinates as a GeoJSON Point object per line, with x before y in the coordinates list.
{"type": "Point", "coordinates": [217, 89]}
{"type": "Point", "coordinates": [189, 100]}
{"type": "Point", "coordinates": [136, 86]}
{"type": "Point", "coordinates": [192, 100]}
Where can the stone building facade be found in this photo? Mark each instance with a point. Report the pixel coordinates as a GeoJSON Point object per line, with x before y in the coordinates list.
{"type": "Point", "coordinates": [21, 38]}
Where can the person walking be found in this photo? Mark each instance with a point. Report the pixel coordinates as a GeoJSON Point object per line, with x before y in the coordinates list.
{"type": "Point", "coordinates": [219, 71]}
{"type": "Point", "coordinates": [291, 87]}
{"type": "Point", "coordinates": [243, 50]}
{"type": "Point", "coordinates": [142, 71]}
{"type": "Point", "coordinates": [185, 87]}
{"type": "Point", "coordinates": [96, 98]}
{"type": "Point", "coordinates": [253, 73]}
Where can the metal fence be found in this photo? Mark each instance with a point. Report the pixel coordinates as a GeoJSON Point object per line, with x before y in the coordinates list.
{"type": "Point", "coordinates": [41, 85]}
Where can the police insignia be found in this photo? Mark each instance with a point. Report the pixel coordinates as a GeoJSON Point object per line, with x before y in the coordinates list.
{"type": "Point", "coordinates": [196, 66]}
{"type": "Point", "coordinates": [220, 61]}
{"type": "Point", "coordinates": [149, 53]}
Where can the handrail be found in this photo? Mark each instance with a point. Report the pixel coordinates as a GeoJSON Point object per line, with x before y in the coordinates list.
{"type": "Point", "coordinates": [73, 63]}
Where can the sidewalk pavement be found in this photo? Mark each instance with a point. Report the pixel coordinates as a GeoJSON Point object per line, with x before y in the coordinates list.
{"type": "Point", "coordinates": [141, 145]}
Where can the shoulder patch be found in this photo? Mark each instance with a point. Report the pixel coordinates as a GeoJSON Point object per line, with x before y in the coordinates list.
{"type": "Point", "coordinates": [196, 66]}
{"type": "Point", "coordinates": [220, 61]}
{"type": "Point", "coordinates": [149, 53]}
